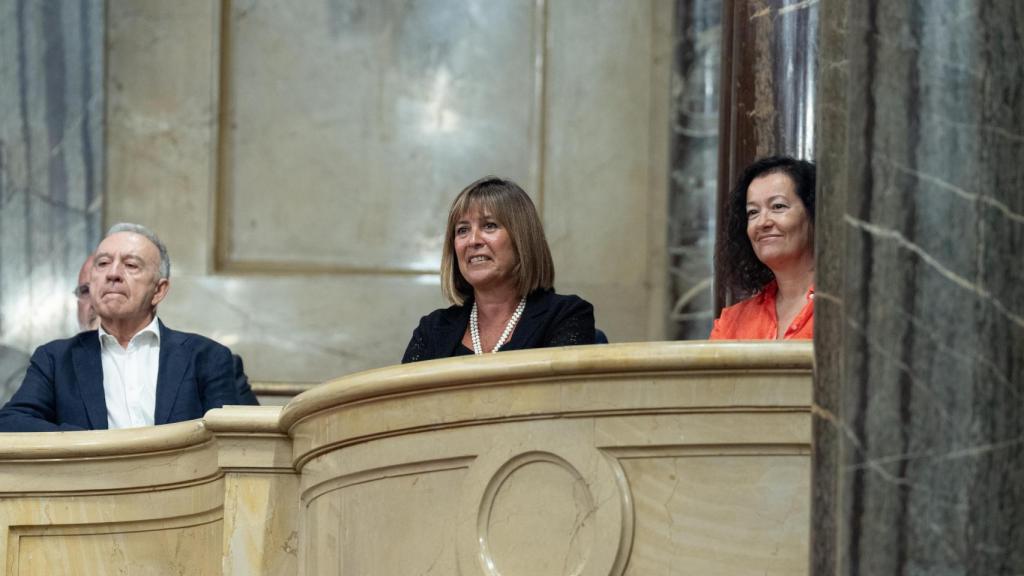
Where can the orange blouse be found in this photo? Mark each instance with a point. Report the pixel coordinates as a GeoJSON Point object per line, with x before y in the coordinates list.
{"type": "Point", "coordinates": [755, 319]}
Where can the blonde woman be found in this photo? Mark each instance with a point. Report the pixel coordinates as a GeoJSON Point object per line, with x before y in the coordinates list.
{"type": "Point", "coordinates": [497, 272]}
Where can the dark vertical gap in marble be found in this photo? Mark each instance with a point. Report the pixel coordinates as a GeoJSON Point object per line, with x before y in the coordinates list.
{"type": "Point", "coordinates": [865, 184]}
{"type": "Point", "coordinates": [726, 135]}
{"type": "Point", "coordinates": [55, 74]}
{"type": "Point", "coordinates": [26, 134]}
{"type": "Point", "coordinates": [909, 289]}
{"type": "Point", "coordinates": [907, 300]}
{"type": "Point", "coordinates": [89, 185]}
{"type": "Point", "coordinates": [996, 495]}
{"type": "Point", "coordinates": [56, 110]}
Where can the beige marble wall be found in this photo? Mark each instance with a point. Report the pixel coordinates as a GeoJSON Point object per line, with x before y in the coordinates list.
{"type": "Point", "coordinates": [298, 159]}
{"type": "Point", "coordinates": [638, 459]}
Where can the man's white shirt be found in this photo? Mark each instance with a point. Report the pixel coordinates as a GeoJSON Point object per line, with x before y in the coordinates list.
{"type": "Point", "coordinates": [129, 377]}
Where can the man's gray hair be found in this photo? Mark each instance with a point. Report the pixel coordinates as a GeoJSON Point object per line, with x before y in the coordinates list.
{"type": "Point", "coordinates": [165, 260]}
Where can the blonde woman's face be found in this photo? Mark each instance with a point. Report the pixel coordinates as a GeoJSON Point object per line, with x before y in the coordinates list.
{"type": "Point", "coordinates": [484, 250]}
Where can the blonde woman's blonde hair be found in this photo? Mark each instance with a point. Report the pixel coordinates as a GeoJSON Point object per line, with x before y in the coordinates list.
{"type": "Point", "coordinates": [512, 208]}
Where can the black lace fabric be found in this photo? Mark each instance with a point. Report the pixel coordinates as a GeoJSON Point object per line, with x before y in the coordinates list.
{"type": "Point", "coordinates": [573, 326]}
{"type": "Point", "coordinates": [417, 348]}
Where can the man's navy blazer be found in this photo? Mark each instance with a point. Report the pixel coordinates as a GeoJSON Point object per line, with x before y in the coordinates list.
{"type": "Point", "coordinates": [63, 388]}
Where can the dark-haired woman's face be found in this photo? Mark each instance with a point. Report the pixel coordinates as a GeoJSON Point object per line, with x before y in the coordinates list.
{"type": "Point", "coordinates": [778, 225]}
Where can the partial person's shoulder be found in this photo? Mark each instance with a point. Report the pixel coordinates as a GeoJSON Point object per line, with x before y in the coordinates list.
{"type": "Point", "coordinates": [64, 345]}
{"type": "Point", "coordinates": [191, 339]}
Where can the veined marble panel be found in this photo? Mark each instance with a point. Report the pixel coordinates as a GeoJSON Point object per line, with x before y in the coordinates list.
{"type": "Point", "coordinates": [141, 501]}
{"type": "Point", "coordinates": [51, 177]}
{"type": "Point", "coordinates": [309, 120]}
{"type": "Point", "coordinates": [141, 548]}
{"type": "Point", "coordinates": [919, 411]}
{"type": "Point", "coordinates": [724, 512]}
{"type": "Point", "coordinates": [400, 105]}
{"type": "Point", "coordinates": [418, 508]}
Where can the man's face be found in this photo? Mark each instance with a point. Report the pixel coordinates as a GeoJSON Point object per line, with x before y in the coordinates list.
{"type": "Point", "coordinates": [124, 281]}
{"type": "Point", "coordinates": [87, 319]}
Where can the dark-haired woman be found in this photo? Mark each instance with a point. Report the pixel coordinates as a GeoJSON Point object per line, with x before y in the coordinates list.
{"type": "Point", "coordinates": [496, 270]}
{"type": "Point", "coordinates": [769, 254]}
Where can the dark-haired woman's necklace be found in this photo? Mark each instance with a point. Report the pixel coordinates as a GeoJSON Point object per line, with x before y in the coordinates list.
{"type": "Point", "coordinates": [474, 328]}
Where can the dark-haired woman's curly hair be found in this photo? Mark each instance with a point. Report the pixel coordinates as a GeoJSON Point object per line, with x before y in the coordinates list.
{"type": "Point", "coordinates": [736, 265]}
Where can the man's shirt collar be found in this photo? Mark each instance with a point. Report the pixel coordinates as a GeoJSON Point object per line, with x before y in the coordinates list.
{"type": "Point", "coordinates": [152, 331]}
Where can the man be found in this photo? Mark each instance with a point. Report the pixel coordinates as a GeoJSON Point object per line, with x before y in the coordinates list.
{"type": "Point", "coordinates": [132, 371]}
{"type": "Point", "coordinates": [87, 319]}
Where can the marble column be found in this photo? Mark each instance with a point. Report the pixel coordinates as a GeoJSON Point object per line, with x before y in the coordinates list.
{"type": "Point", "coordinates": [697, 33]}
{"type": "Point", "coordinates": [919, 336]}
{"type": "Point", "coordinates": [51, 168]}
{"type": "Point", "coordinates": [769, 72]}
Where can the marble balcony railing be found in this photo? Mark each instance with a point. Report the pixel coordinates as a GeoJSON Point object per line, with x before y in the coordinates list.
{"type": "Point", "coordinates": [620, 459]}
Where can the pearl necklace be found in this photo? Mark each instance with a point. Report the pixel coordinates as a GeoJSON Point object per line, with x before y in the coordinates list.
{"type": "Point", "coordinates": [474, 328]}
